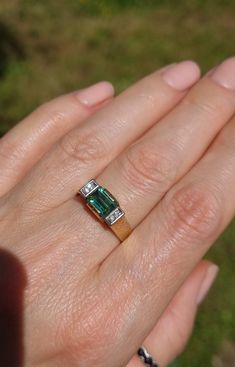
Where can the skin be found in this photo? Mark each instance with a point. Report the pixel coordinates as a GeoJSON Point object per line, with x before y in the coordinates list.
{"type": "Point", "coordinates": [89, 300]}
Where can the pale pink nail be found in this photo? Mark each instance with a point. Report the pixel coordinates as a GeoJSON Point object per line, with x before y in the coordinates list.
{"type": "Point", "coordinates": [182, 76]}
{"type": "Point", "coordinates": [96, 94]}
{"type": "Point", "coordinates": [208, 280]}
{"type": "Point", "coordinates": [224, 74]}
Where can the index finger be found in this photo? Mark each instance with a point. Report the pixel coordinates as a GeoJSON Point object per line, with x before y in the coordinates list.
{"type": "Point", "coordinates": [26, 143]}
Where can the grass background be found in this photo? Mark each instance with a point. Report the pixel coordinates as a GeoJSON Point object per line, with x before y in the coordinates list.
{"type": "Point", "coordinates": [51, 47]}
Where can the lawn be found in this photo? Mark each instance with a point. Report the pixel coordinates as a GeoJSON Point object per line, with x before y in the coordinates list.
{"type": "Point", "coordinates": [52, 47]}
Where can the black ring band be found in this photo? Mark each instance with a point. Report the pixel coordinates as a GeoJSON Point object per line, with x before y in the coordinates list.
{"type": "Point", "coordinates": [146, 357]}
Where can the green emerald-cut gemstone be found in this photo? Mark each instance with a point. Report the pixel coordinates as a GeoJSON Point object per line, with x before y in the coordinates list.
{"type": "Point", "coordinates": [102, 202]}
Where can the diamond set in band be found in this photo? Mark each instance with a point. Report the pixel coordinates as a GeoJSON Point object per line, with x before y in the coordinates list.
{"type": "Point", "coordinates": [87, 189]}
{"type": "Point", "coordinates": [101, 202]}
{"type": "Point", "coordinates": [114, 216]}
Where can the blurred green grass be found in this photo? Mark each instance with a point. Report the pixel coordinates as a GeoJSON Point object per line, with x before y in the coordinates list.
{"type": "Point", "coordinates": [48, 48]}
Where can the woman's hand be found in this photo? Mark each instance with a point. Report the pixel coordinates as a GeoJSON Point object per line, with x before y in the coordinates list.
{"type": "Point", "coordinates": [91, 301]}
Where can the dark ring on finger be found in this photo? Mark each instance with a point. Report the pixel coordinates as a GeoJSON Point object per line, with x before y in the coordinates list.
{"type": "Point", "coordinates": [146, 357]}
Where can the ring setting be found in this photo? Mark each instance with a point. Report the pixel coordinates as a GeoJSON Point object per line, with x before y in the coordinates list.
{"type": "Point", "coordinates": [146, 358]}
{"type": "Point", "coordinates": [106, 207]}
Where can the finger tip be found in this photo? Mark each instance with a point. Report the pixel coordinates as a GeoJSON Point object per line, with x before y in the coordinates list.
{"type": "Point", "coordinates": [96, 94]}
{"type": "Point", "coordinates": [182, 75]}
{"type": "Point", "coordinates": [207, 282]}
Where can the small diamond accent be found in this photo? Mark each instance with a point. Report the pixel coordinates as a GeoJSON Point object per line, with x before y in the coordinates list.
{"type": "Point", "coordinates": [115, 215]}
{"type": "Point", "coordinates": [87, 189]}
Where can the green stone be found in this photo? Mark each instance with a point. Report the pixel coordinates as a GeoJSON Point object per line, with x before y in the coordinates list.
{"type": "Point", "coordinates": [102, 202]}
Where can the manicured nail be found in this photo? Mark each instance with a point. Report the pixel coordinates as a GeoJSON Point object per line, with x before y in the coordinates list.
{"type": "Point", "coordinates": [96, 94]}
{"type": "Point", "coordinates": [224, 74]}
{"type": "Point", "coordinates": [207, 283]}
{"type": "Point", "coordinates": [182, 76]}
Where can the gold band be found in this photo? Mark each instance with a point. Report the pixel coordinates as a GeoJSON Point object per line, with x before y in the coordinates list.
{"type": "Point", "coordinates": [121, 228]}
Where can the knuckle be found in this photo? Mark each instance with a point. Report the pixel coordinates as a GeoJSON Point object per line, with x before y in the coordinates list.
{"type": "Point", "coordinates": [50, 114]}
{"type": "Point", "coordinates": [146, 167]}
{"type": "Point", "coordinates": [84, 147]}
{"type": "Point", "coordinates": [56, 111]}
{"type": "Point", "coordinates": [147, 99]}
{"type": "Point", "coordinates": [9, 149]}
{"type": "Point", "coordinates": [193, 213]}
{"type": "Point", "coordinates": [206, 106]}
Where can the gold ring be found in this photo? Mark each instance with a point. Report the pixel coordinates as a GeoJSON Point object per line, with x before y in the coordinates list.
{"type": "Point", "coordinates": [106, 208]}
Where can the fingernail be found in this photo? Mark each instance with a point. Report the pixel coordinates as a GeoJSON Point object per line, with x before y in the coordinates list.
{"type": "Point", "coordinates": [224, 74]}
{"type": "Point", "coordinates": [96, 94]}
{"type": "Point", "coordinates": [207, 283]}
{"type": "Point", "coordinates": [182, 76]}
